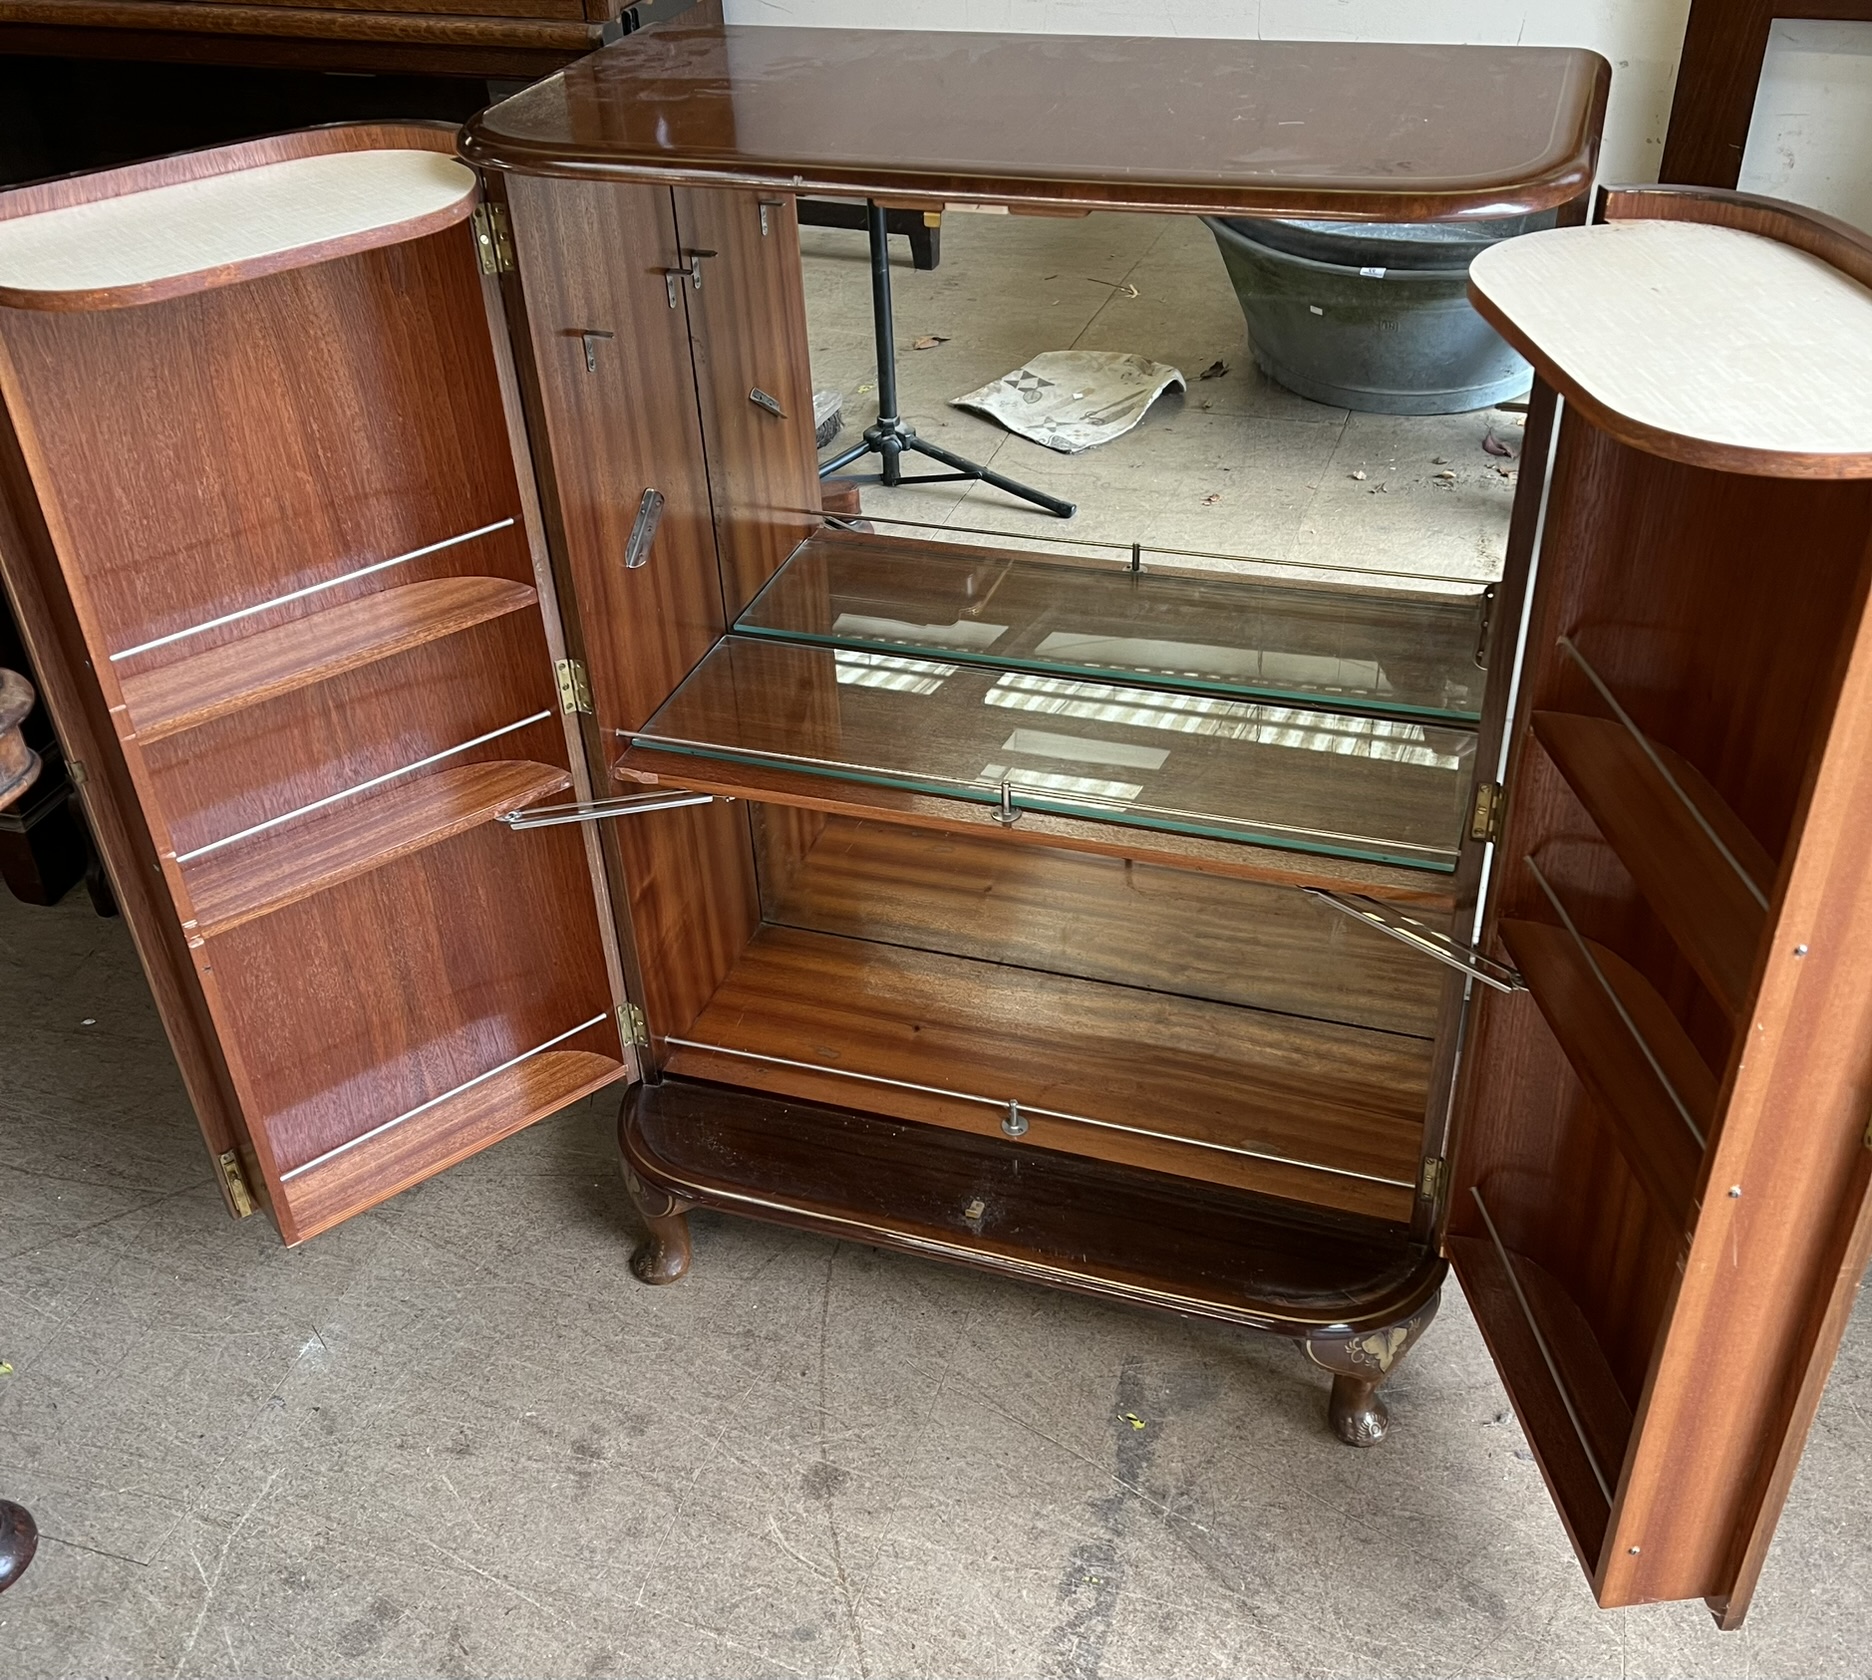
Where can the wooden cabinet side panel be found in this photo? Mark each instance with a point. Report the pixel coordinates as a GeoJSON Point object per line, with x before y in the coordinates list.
{"type": "Point", "coordinates": [748, 323]}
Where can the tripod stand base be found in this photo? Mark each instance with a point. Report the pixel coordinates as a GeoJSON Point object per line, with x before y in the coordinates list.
{"type": "Point", "coordinates": [891, 440]}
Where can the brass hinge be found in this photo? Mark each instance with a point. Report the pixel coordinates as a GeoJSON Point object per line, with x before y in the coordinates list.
{"type": "Point", "coordinates": [1485, 821]}
{"type": "Point", "coordinates": [1430, 1184]}
{"type": "Point", "coordinates": [236, 1181]}
{"type": "Point", "coordinates": [574, 686]}
{"type": "Point", "coordinates": [632, 1025]}
{"type": "Point", "coordinates": [493, 239]}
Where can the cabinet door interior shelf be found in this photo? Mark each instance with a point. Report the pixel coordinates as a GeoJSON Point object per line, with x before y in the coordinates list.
{"type": "Point", "coordinates": [1638, 1065]}
{"type": "Point", "coordinates": [413, 1147]}
{"type": "Point", "coordinates": [1381, 790]}
{"type": "Point", "coordinates": [1389, 653]}
{"type": "Point", "coordinates": [284, 865]}
{"type": "Point", "coordinates": [169, 698]}
{"type": "Point", "coordinates": [1703, 873]}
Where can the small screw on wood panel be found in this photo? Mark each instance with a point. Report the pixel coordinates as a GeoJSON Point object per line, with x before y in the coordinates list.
{"type": "Point", "coordinates": [1633, 1550]}
{"type": "Point", "coordinates": [1800, 950]}
{"type": "Point", "coordinates": [1014, 1123]}
{"type": "Point", "coordinates": [1735, 1192]}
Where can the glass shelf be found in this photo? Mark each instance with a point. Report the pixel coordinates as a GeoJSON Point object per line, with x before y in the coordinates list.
{"type": "Point", "coordinates": [1384, 653]}
{"type": "Point", "coordinates": [1381, 790]}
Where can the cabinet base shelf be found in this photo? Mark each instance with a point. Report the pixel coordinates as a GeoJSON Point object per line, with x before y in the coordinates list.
{"type": "Point", "coordinates": [1118, 1232]}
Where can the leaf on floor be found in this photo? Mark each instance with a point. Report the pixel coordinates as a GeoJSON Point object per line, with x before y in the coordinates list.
{"type": "Point", "coordinates": [1215, 370]}
{"type": "Point", "coordinates": [929, 341]}
{"type": "Point", "coordinates": [1212, 498]}
{"type": "Point", "coordinates": [1494, 445]}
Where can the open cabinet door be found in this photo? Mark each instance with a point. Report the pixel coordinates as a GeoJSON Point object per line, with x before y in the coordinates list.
{"type": "Point", "coordinates": [271, 534]}
{"type": "Point", "coordinates": [1660, 1210]}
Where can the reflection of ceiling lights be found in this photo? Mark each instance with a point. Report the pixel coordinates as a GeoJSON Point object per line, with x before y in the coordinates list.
{"type": "Point", "coordinates": [889, 670]}
{"type": "Point", "coordinates": [963, 633]}
{"type": "Point", "coordinates": [1232, 664]}
{"type": "Point", "coordinates": [1088, 789]}
{"type": "Point", "coordinates": [1391, 739]}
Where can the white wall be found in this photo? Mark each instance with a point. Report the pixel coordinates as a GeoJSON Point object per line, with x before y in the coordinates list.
{"type": "Point", "coordinates": [1641, 38]}
{"type": "Point", "coordinates": [1811, 138]}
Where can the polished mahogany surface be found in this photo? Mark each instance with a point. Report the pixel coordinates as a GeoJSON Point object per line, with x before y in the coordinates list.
{"type": "Point", "coordinates": [1381, 132]}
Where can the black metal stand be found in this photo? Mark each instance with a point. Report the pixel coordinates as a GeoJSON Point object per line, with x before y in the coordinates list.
{"type": "Point", "coordinates": [890, 439]}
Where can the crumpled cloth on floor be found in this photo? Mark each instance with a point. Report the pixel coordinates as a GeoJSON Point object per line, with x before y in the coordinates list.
{"type": "Point", "coordinates": [1070, 400]}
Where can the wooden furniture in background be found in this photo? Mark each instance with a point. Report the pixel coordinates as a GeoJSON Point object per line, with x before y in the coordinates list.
{"type": "Point", "coordinates": [1725, 46]}
{"type": "Point", "coordinates": [19, 764]}
{"type": "Point", "coordinates": [1064, 914]}
{"type": "Point", "coordinates": [921, 227]}
{"type": "Point", "coordinates": [19, 769]}
{"type": "Point", "coordinates": [521, 39]}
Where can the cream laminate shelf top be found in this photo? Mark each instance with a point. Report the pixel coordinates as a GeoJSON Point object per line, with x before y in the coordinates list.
{"type": "Point", "coordinates": [1702, 343]}
{"type": "Point", "coordinates": [190, 235]}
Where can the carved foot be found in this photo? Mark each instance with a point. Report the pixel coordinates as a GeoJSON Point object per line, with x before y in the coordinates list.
{"type": "Point", "coordinates": [1360, 1363]}
{"type": "Point", "coordinates": [19, 1539]}
{"type": "Point", "coordinates": [663, 1256]}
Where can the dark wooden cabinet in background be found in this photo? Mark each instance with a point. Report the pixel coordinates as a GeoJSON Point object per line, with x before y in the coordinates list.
{"type": "Point", "coordinates": [477, 709]}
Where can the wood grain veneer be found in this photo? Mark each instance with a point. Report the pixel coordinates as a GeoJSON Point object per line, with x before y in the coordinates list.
{"type": "Point", "coordinates": [1381, 132]}
{"type": "Point", "coordinates": [461, 697]}
{"type": "Point", "coordinates": [186, 450]}
{"type": "Point", "coordinates": [1696, 891]}
{"type": "Point", "coordinates": [1584, 1434]}
{"type": "Point", "coordinates": [592, 257]}
{"type": "Point", "coordinates": [376, 949]}
{"type": "Point", "coordinates": [321, 1196]}
{"type": "Point", "coordinates": [276, 869]}
{"type": "Point", "coordinates": [334, 37]}
{"type": "Point", "coordinates": [1097, 918]}
{"type": "Point", "coordinates": [365, 1001]}
{"type": "Point", "coordinates": [1305, 1091]}
{"type": "Point", "coordinates": [1612, 1063]}
{"type": "Point", "coordinates": [166, 699]}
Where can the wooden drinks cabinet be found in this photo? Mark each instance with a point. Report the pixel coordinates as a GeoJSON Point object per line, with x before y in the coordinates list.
{"type": "Point", "coordinates": [425, 564]}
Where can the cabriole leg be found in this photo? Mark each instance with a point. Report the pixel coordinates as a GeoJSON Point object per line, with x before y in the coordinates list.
{"type": "Point", "coordinates": [1360, 1363]}
{"type": "Point", "coordinates": [663, 1255]}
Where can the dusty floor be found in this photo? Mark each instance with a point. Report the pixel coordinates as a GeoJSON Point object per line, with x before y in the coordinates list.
{"type": "Point", "coordinates": [454, 1437]}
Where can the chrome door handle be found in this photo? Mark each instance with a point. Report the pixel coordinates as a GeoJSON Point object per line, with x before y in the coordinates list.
{"type": "Point", "coordinates": [643, 530]}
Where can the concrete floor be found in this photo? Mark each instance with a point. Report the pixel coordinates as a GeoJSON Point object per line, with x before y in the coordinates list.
{"type": "Point", "coordinates": [455, 1438]}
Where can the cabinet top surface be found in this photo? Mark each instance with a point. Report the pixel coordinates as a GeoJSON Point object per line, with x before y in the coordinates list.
{"type": "Point", "coordinates": [1756, 351]}
{"type": "Point", "coordinates": [1376, 132]}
